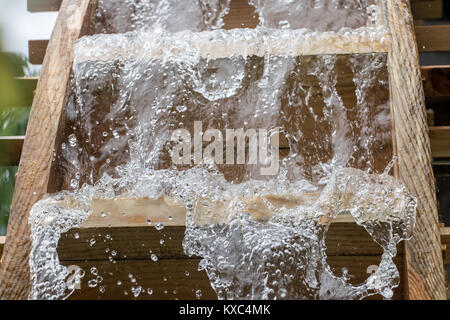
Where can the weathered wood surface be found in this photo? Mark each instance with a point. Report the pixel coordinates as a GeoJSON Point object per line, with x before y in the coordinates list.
{"type": "Point", "coordinates": [168, 278]}
{"type": "Point", "coordinates": [34, 170]}
{"type": "Point", "coordinates": [134, 243]}
{"type": "Point", "coordinates": [423, 257]}
{"type": "Point", "coordinates": [348, 246]}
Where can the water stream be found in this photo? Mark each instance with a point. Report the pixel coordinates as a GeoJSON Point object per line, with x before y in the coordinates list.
{"type": "Point", "coordinates": [157, 66]}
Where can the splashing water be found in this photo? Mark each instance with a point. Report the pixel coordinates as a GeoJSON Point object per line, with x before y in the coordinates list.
{"type": "Point", "coordinates": [260, 237]}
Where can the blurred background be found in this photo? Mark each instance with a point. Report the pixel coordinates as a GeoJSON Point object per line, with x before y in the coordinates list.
{"type": "Point", "coordinates": [17, 26]}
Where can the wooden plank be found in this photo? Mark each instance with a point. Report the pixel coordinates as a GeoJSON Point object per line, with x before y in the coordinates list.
{"type": "Point", "coordinates": [36, 51]}
{"type": "Point", "coordinates": [43, 5]}
{"type": "Point", "coordinates": [35, 167]}
{"type": "Point", "coordinates": [241, 15]}
{"type": "Point", "coordinates": [163, 277]}
{"type": "Point", "coordinates": [423, 257]}
{"type": "Point", "coordinates": [134, 243]}
{"type": "Point", "coordinates": [27, 87]}
{"type": "Point", "coordinates": [427, 9]}
{"type": "Point", "coordinates": [436, 81]}
{"type": "Point", "coordinates": [10, 150]}
{"type": "Point", "coordinates": [429, 39]}
{"type": "Point", "coordinates": [433, 38]}
{"type": "Point", "coordinates": [253, 44]}
{"type": "Point", "coordinates": [440, 142]}
{"type": "Point", "coordinates": [179, 278]}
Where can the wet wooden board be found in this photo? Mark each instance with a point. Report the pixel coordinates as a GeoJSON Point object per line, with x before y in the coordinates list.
{"type": "Point", "coordinates": [135, 243]}
{"type": "Point", "coordinates": [168, 280]}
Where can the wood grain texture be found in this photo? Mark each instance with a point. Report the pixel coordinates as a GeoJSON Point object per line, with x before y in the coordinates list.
{"type": "Point", "coordinates": [433, 38]}
{"type": "Point", "coordinates": [134, 243]}
{"type": "Point", "coordinates": [34, 170]}
{"type": "Point", "coordinates": [10, 150]}
{"type": "Point", "coordinates": [168, 279]}
{"type": "Point", "coordinates": [423, 257]}
{"type": "Point", "coordinates": [169, 272]}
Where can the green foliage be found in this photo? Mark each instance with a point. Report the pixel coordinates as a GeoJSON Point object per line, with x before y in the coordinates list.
{"type": "Point", "coordinates": [6, 193]}
{"type": "Point", "coordinates": [13, 121]}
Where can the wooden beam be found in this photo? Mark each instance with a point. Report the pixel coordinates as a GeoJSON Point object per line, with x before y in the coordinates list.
{"type": "Point", "coordinates": [429, 39]}
{"type": "Point", "coordinates": [423, 256]}
{"type": "Point", "coordinates": [440, 141]}
{"type": "Point", "coordinates": [433, 38]}
{"type": "Point", "coordinates": [11, 147]}
{"type": "Point", "coordinates": [342, 239]}
{"type": "Point", "coordinates": [36, 51]}
{"type": "Point", "coordinates": [10, 150]}
{"type": "Point", "coordinates": [348, 245]}
{"type": "Point", "coordinates": [180, 278]}
{"type": "Point", "coordinates": [35, 166]}
{"type": "Point", "coordinates": [436, 81]}
{"type": "Point", "coordinates": [293, 43]}
{"type": "Point", "coordinates": [43, 5]}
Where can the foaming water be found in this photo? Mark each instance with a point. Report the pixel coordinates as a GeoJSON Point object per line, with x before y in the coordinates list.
{"type": "Point", "coordinates": [317, 15]}
{"type": "Point", "coordinates": [114, 16]}
{"type": "Point", "coordinates": [260, 237]}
